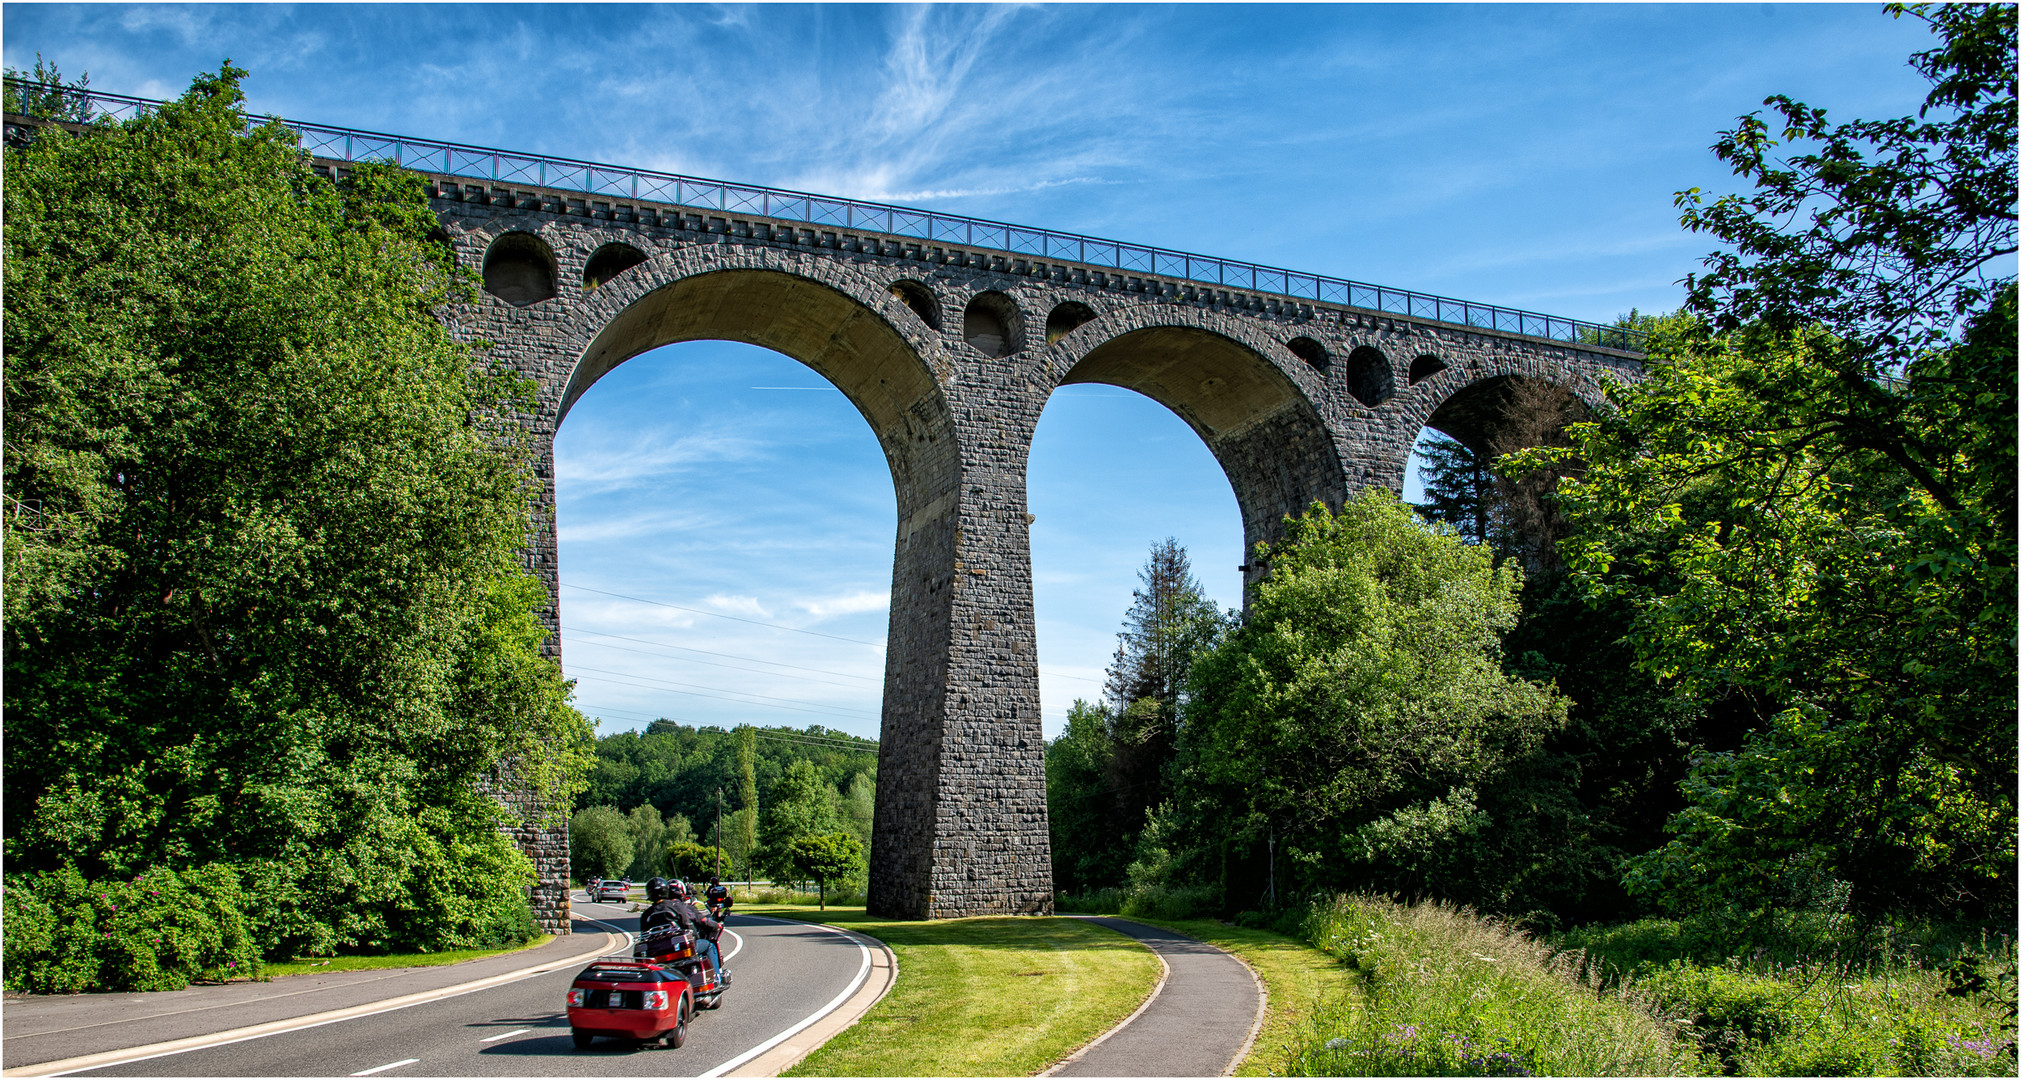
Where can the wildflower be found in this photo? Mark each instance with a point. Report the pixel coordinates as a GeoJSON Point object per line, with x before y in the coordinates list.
{"type": "Point", "coordinates": [1338, 1042]}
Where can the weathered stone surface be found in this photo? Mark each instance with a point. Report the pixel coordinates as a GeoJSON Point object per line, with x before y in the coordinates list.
{"type": "Point", "coordinates": [1279, 390]}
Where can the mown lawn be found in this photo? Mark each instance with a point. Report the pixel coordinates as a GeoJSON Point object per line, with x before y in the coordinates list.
{"type": "Point", "coordinates": [982, 997]}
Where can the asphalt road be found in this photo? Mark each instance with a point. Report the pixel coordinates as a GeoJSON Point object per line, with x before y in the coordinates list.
{"type": "Point", "coordinates": [784, 972]}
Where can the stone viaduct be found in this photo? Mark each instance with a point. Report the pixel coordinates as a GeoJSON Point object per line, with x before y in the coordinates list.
{"type": "Point", "coordinates": [949, 335]}
{"type": "Point", "coordinates": [950, 352]}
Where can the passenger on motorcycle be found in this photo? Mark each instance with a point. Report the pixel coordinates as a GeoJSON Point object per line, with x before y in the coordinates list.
{"type": "Point", "coordinates": [706, 930]}
{"type": "Point", "coordinates": [719, 899]}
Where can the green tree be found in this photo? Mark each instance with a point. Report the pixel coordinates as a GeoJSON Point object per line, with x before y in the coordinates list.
{"type": "Point", "coordinates": [264, 604]}
{"type": "Point", "coordinates": [744, 831]}
{"type": "Point", "coordinates": [825, 857]}
{"type": "Point", "coordinates": [55, 99]}
{"type": "Point", "coordinates": [1089, 847]}
{"type": "Point", "coordinates": [599, 842]}
{"type": "Point", "coordinates": [1810, 501]}
{"type": "Point", "coordinates": [1354, 714]}
{"type": "Point", "coordinates": [859, 807]}
{"type": "Point", "coordinates": [690, 861]}
{"type": "Point", "coordinates": [801, 806]}
{"type": "Point", "coordinates": [1459, 486]}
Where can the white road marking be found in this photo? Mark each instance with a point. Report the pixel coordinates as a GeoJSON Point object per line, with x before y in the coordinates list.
{"type": "Point", "coordinates": [740, 944]}
{"type": "Point", "coordinates": [507, 1035]}
{"type": "Point", "coordinates": [383, 1068]}
{"type": "Point", "coordinates": [89, 1062]}
{"type": "Point", "coordinates": [862, 973]}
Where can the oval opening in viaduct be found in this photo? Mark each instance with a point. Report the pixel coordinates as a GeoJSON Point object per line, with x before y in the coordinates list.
{"type": "Point", "coordinates": [519, 269]}
{"type": "Point", "coordinates": [1369, 377]}
{"type": "Point", "coordinates": [992, 324]}
{"type": "Point", "coordinates": [609, 261]}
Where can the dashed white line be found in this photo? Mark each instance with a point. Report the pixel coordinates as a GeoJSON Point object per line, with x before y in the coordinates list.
{"type": "Point", "coordinates": [507, 1035]}
{"type": "Point", "coordinates": [383, 1068]}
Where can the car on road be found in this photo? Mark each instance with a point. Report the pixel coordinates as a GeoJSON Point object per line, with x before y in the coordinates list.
{"type": "Point", "coordinates": [613, 889]}
{"type": "Point", "coordinates": [623, 998]}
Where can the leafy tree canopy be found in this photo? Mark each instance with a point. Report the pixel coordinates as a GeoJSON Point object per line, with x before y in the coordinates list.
{"type": "Point", "coordinates": [263, 598]}
{"type": "Point", "coordinates": [1810, 501]}
{"type": "Point", "coordinates": [1363, 697]}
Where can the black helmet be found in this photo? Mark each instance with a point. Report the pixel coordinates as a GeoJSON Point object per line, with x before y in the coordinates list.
{"type": "Point", "coordinates": [680, 890]}
{"type": "Point", "coordinates": [656, 889]}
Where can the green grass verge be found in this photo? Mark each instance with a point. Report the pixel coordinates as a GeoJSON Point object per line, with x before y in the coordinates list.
{"type": "Point", "coordinates": [1302, 982]}
{"type": "Point", "coordinates": [982, 997]}
{"type": "Point", "coordinates": [314, 965]}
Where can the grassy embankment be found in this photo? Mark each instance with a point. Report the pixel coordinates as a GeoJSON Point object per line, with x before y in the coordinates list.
{"type": "Point", "coordinates": [310, 965]}
{"type": "Point", "coordinates": [981, 997]}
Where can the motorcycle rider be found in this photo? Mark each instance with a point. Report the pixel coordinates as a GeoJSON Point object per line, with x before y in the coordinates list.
{"type": "Point", "coordinates": [706, 930]}
{"type": "Point", "coordinates": [719, 894]}
{"type": "Point", "coordinates": [663, 912]}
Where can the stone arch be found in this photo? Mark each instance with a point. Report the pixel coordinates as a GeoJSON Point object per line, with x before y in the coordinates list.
{"type": "Point", "coordinates": [1369, 376]}
{"type": "Point", "coordinates": [1424, 367]}
{"type": "Point", "coordinates": [519, 269]}
{"type": "Point", "coordinates": [993, 324]}
{"type": "Point", "coordinates": [608, 262]}
{"type": "Point", "coordinates": [1310, 351]}
{"type": "Point", "coordinates": [847, 329]}
{"type": "Point", "coordinates": [1258, 421]}
{"type": "Point", "coordinates": [1066, 318]}
{"type": "Point", "coordinates": [920, 299]}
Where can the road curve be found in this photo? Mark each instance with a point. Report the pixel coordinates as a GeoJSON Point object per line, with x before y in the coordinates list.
{"type": "Point", "coordinates": [785, 972]}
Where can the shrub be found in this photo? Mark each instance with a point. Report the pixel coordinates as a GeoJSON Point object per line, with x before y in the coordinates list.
{"type": "Point", "coordinates": [1445, 992]}
{"type": "Point", "coordinates": [160, 931]}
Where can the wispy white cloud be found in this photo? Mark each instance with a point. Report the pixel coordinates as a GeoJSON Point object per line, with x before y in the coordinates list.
{"type": "Point", "coordinates": [737, 605]}
{"type": "Point", "coordinates": [610, 465]}
{"type": "Point", "coordinates": [629, 527]}
{"type": "Point", "coordinates": [847, 604]}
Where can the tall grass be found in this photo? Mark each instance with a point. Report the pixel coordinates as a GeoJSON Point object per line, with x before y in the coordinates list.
{"type": "Point", "coordinates": [1806, 995]}
{"type": "Point", "coordinates": [1448, 993]}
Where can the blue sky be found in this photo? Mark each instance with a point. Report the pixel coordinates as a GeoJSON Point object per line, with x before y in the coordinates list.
{"type": "Point", "coordinates": [1523, 155]}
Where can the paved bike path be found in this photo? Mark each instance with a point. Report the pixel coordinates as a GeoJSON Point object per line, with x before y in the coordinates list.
{"type": "Point", "coordinates": [1199, 1023]}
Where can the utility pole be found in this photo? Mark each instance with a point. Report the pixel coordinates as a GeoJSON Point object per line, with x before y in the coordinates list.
{"type": "Point", "coordinates": [719, 833]}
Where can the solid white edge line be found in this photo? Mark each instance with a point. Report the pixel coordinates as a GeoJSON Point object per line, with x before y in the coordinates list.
{"type": "Point", "coordinates": [468, 988]}
{"type": "Point", "coordinates": [862, 973]}
{"type": "Point", "coordinates": [740, 944]}
{"type": "Point", "coordinates": [383, 1068]}
{"type": "Point", "coordinates": [507, 1035]}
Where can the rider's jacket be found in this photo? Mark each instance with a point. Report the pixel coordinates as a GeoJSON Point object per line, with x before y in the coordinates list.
{"type": "Point", "coordinates": [661, 913]}
{"type": "Point", "coordinates": [719, 894]}
{"type": "Point", "coordinates": [692, 918]}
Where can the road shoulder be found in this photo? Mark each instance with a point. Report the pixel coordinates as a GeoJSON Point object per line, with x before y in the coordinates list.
{"type": "Point", "coordinates": [60, 1034]}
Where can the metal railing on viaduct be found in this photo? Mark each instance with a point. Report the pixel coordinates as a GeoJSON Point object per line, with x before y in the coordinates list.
{"type": "Point", "coordinates": [615, 181]}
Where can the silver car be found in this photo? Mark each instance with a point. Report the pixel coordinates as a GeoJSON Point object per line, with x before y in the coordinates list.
{"type": "Point", "coordinates": [614, 889]}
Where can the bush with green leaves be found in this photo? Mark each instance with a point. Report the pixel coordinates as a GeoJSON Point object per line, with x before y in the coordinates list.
{"type": "Point", "coordinates": [161, 930]}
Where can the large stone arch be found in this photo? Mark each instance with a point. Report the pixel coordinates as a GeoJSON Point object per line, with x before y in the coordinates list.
{"type": "Point", "coordinates": [1249, 397]}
